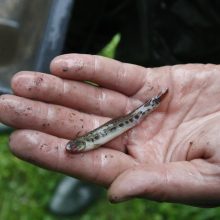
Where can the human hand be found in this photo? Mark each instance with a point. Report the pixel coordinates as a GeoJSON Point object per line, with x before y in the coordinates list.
{"type": "Point", "coordinates": [173, 155]}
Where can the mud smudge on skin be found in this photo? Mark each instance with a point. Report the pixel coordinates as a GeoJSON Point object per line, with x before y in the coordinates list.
{"type": "Point", "coordinates": [72, 117]}
{"type": "Point", "coordinates": [65, 69]}
{"type": "Point", "coordinates": [38, 81]}
{"type": "Point", "coordinates": [190, 143]}
{"type": "Point", "coordinates": [46, 125]}
{"type": "Point", "coordinates": [109, 156]}
{"type": "Point", "coordinates": [45, 147]}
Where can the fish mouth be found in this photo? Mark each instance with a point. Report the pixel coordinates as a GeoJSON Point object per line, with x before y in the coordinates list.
{"type": "Point", "coordinates": [71, 147]}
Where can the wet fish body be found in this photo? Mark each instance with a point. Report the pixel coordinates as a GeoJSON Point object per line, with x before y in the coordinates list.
{"type": "Point", "coordinates": [114, 127]}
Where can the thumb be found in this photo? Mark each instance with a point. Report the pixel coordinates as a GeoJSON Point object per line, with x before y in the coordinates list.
{"type": "Point", "coordinates": [179, 182]}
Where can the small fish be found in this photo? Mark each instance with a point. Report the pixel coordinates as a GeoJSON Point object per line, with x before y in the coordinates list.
{"type": "Point", "coordinates": [114, 127]}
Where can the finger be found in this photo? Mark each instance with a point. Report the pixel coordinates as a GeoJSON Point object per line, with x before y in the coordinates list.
{"type": "Point", "coordinates": [100, 166]}
{"type": "Point", "coordinates": [108, 73]}
{"type": "Point", "coordinates": [60, 121]}
{"type": "Point", "coordinates": [73, 94]}
{"type": "Point", "coordinates": [178, 182]}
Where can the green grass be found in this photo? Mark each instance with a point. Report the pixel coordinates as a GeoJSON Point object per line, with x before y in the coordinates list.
{"type": "Point", "coordinates": [109, 49]}
{"type": "Point", "coordinates": [25, 191]}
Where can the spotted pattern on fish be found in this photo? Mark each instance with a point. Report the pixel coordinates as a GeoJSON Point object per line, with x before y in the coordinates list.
{"type": "Point", "coordinates": [114, 127]}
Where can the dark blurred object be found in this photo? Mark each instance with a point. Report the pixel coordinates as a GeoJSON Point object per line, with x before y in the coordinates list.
{"type": "Point", "coordinates": [73, 196]}
{"type": "Point", "coordinates": [4, 128]}
{"type": "Point", "coordinates": [9, 32]}
{"type": "Point", "coordinates": [29, 39]}
{"type": "Point", "coordinates": [153, 33]}
{"type": "Point", "coordinates": [4, 90]}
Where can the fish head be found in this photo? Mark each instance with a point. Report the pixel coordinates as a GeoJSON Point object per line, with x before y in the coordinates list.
{"type": "Point", "coordinates": [76, 146]}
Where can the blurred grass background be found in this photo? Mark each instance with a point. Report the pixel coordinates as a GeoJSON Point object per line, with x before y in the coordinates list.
{"type": "Point", "coordinates": [25, 191]}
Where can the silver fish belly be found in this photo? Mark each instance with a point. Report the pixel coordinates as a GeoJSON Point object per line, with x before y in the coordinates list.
{"type": "Point", "coordinates": [114, 127]}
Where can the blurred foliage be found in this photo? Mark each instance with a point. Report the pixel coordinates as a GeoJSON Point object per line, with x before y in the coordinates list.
{"type": "Point", "coordinates": [25, 191]}
{"type": "Point", "coordinates": [24, 188]}
{"type": "Point", "coordinates": [109, 49]}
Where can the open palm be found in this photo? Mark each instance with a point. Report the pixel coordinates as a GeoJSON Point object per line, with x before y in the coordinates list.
{"type": "Point", "coordinates": [173, 155]}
